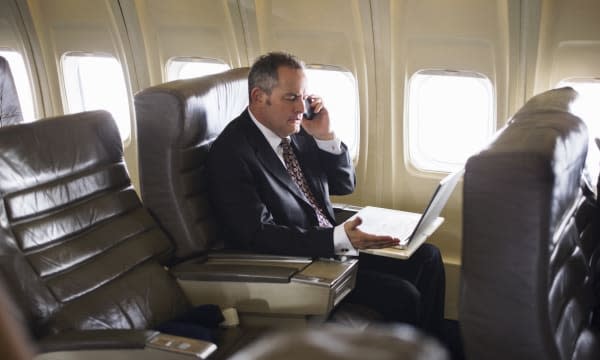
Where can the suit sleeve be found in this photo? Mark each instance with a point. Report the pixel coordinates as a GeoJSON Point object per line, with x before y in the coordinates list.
{"type": "Point", "coordinates": [339, 171]}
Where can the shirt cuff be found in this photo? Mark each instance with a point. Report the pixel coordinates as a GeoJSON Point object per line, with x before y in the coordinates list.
{"type": "Point", "coordinates": [341, 242]}
{"type": "Point", "coordinates": [331, 146]}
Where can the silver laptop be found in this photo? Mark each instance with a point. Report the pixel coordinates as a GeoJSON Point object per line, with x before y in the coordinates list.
{"type": "Point", "coordinates": [407, 226]}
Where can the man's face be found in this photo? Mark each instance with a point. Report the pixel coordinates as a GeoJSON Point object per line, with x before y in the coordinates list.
{"type": "Point", "coordinates": [281, 111]}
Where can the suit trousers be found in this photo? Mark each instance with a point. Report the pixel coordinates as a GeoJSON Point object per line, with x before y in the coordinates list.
{"type": "Point", "coordinates": [408, 291]}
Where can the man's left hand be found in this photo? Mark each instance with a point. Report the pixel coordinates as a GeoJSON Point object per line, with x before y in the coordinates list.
{"type": "Point", "coordinates": [319, 126]}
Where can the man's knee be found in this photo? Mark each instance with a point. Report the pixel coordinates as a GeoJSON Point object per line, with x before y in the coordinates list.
{"type": "Point", "coordinates": [394, 298]}
{"type": "Point", "coordinates": [429, 256]}
{"type": "Point", "coordinates": [428, 252]}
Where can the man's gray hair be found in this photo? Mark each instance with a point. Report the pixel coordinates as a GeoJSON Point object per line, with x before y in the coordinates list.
{"type": "Point", "coordinates": [263, 73]}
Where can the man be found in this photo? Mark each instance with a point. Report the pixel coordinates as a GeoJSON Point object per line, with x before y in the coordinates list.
{"type": "Point", "coordinates": [270, 176]}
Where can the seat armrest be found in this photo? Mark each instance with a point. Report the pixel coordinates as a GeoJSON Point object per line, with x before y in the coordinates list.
{"type": "Point", "coordinates": [241, 267]}
{"type": "Point", "coordinates": [254, 257]}
{"type": "Point", "coordinates": [192, 347]}
{"type": "Point", "coordinates": [125, 340]}
{"type": "Point", "coordinates": [96, 339]}
{"type": "Point", "coordinates": [299, 287]}
{"type": "Point", "coordinates": [232, 272]}
{"type": "Point", "coordinates": [327, 272]}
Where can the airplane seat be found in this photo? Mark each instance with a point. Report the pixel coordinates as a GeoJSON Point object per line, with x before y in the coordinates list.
{"type": "Point", "coordinates": [527, 287]}
{"type": "Point", "coordinates": [336, 343]}
{"type": "Point", "coordinates": [80, 254]}
{"type": "Point", "coordinates": [176, 125]}
{"type": "Point", "coordinates": [10, 108]}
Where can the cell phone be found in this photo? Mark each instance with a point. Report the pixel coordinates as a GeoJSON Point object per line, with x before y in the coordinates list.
{"type": "Point", "coordinates": [309, 114]}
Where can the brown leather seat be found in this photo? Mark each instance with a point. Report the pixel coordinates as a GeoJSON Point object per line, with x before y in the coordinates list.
{"type": "Point", "coordinates": [526, 282]}
{"type": "Point", "coordinates": [10, 108]}
{"type": "Point", "coordinates": [78, 250]}
{"type": "Point", "coordinates": [176, 124]}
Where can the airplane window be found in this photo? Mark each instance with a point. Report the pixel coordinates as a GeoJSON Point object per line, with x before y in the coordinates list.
{"type": "Point", "coordinates": [94, 82]}
{"type": "Point", "coordinates": [339, 91]}
{"type": "Point", "coordinates": [588, 108]}
{"type": "Point", "coordinates": [450, 116]}
{"type": "Point", "coordinates": [22, 83]}
{"type": "Point", "coordinates": [186, 68]}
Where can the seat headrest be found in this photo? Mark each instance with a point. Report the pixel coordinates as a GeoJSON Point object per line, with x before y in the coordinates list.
{"type": "Point", "coordinates": [39, 152]}
{"type": "Point", "coordinates": [10, 108]}
{"type": "Point", "coordinates": [545, 136]}
{"type": "Point", "coordinates": [193, 111]}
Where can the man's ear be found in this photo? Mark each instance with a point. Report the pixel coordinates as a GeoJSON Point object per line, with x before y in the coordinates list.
{"type": "Point", "coordinates": [257, 95]}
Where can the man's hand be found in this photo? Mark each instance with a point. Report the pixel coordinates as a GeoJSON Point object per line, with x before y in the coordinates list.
{"type": "Point", "coordinates": [362, 240]}
{"type": "Point", "coordinates": [319, 127]}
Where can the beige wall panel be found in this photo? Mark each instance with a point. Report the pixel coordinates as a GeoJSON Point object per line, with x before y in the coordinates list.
{"type": "Point", "coordinates": [75, 25]}
{"type": "Point", "coordinates": [569, 42]}
{"type": "Point", "coordinates": [161, 30]}
{"type": "Point", "coordinates": [63, 26]}
{"type": "Point", "coordinates": [326, 32]}
{"type": "Point", "coordinates": [13, 35]}
{"type": "Point", "coordinates": [575, 59]}
{"type": "Point", "coordinates": [9, 38]}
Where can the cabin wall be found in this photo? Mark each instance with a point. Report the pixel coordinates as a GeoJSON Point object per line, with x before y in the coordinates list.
{"type": "Point", "coordinates": [158, 31]}
{"type": "Point", "coordinates": [523, 46]}
{"type": "Point", "coordinates": [569, 44]}
{"type": "Point", "coordinates": [14, 35]}
{"type": "Point", "coordinates": [88, 26]}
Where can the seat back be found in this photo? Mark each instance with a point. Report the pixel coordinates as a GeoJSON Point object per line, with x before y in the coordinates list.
{"type": "Point", "coordinates": [10, 109]}
{"type": "Point", "coordinates": [336, 342]}
{"type": "Point", "coordinates": [77, 249]}
{"type": "Point", "coordinates": [176, 124]}
{"type": "Point", "coordinates": [526, 291]}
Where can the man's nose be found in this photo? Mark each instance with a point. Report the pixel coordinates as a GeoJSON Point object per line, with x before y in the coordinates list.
{"type": "Point", "coordinates": [299, 105]}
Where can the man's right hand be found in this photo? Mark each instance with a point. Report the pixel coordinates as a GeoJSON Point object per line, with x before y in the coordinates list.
{"type": "Point", "coordinates": [362, 240]}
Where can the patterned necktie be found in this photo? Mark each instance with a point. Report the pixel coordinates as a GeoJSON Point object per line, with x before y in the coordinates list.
{"type": "Point", "coordinates": [293, 168]}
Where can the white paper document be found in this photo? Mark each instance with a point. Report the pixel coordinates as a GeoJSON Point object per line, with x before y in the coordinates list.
{"type": "Point", "coordinates": [382, 221]}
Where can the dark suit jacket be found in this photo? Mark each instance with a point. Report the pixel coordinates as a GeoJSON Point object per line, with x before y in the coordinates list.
{"type": "Point", "coordinates": [258, 206]}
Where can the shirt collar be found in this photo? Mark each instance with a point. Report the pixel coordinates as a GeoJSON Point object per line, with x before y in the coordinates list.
{"type": "Point", "coordinates": [273, 139]}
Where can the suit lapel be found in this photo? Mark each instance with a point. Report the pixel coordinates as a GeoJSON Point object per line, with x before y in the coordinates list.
{"type": "Point", "coordinates": [267, 157]}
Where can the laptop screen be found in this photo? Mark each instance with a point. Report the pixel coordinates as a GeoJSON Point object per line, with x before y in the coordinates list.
{"type": "Point", "coordinates": [438, 201]}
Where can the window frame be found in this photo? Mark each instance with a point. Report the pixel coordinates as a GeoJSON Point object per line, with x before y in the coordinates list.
{"type": "Point", "coordinates": [66, 107]}
{"type": "Point", "coordinates": [439, 166]}
{"type": "Point", "coordinates": [189, 59]}
{"type": "Point", "coordinates": [354, 148]}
